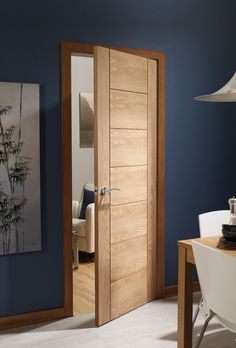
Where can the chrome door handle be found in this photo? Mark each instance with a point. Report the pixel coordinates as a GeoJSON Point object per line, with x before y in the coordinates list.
{"type": "Point", "coordinates": [105, 190]}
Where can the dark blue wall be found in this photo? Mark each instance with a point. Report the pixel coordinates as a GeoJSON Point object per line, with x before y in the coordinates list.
{"type": "Point", "coordinates": [198, 38]}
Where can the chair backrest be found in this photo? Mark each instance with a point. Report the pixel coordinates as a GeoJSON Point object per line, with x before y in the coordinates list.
{"type": "Point", "coordinates": [216, 272]}
{"type": "Point", "coordinates": [210, 224]}
{"type": "Point", "coordinates": [89, 187]}
{"type": "Point", "coordinates": [76, 205]}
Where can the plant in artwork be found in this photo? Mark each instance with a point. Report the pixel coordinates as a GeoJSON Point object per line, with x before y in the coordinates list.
{"type": "Point", "coordinates": [16, 168]}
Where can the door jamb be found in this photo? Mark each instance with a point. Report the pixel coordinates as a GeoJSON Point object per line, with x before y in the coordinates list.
{"type": "Point", "coordinates": [67, 48]}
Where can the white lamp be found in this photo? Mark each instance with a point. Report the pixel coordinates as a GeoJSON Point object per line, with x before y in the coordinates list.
{"type": "Point", "coordinates": [225, 94]}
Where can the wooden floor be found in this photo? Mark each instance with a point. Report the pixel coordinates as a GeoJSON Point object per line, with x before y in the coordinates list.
{"type": "Point", "coordinates": [84, 288]}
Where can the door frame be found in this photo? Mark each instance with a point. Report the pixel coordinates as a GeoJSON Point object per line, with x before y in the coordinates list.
{"type": "Point", "coordinates": [67, 49]}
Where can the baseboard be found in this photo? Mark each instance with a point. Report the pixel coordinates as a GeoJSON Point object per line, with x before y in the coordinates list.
{"type": "Point", "coordinates": [26, 319]}
{"type": "Point", "coordinates": [171, 291]}
{"type": "Point", "coordinates": [19, 320]}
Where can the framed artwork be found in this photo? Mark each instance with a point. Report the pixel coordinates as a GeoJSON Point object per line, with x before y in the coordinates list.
{"type": "Point", "coordinates": [86, 116]}
{"type": "Point", "coordinates": [20, 202]}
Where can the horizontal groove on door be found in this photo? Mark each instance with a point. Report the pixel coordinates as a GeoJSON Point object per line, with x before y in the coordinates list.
{"type": "Point", "coordinates": [128, 110]}
{"type": "Point", "coordinates": [125, 204]}
{"type": "Point", "coordinates": [128, 257]}
{"type": "Point", "coordinates": [130, 239]}
{"type": "Point", "coordinates": [128, 128]}
{"type": "Point", "coordinates": [128, 221]}
{"type": "Point", "coordinates": [127, 90]}
{"type": "Point", "coordinates": [135, 286]}
{"type": "Point", "coordinates": [127, 166]}
{"type": "Point", "coordinates": [128, 72]}
{"type": "Point", "coordinates": [132, 182]}
{"type": "Point", "coordinates": [128, 147]}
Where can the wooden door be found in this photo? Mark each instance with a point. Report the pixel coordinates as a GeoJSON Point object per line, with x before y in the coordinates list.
{"type": "Point", "coordinates": [125, 159]}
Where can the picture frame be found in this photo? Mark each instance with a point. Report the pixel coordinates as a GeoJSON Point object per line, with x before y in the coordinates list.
{"type": "Point", "coordinates": [86, 117]}
{"type": "Point", "coordinates": [20, 192]}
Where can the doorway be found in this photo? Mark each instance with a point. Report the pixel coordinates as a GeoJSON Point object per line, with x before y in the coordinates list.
{"type": "Point", "coordinates": [158, 182]}
{"type": "Point", "coordinates": [83, 210]}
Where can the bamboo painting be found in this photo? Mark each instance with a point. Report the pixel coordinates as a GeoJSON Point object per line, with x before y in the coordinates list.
{"type": "Point", "coordinates": [16, 167]}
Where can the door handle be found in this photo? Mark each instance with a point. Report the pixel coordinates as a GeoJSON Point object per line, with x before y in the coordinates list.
{"type": "Point", "coordinates": [105, 190]}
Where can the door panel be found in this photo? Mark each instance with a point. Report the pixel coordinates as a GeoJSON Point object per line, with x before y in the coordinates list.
{"type": "Point", "coordinates": [128, 221]}
{"type": "Point", "coordinates": [125, 113]}
{"type": "Point", "coordinates": [102, 178]}
{"type": "Point", "coordinates": [152, 180]}
{"type": "Point", "coordinates": [128, 72]}
{"type": "Point", "coordinates": [128, 147]}
{"type": "Point", "coordinates": [128, 293]}
{"type": "Point", "coordinates": [128, 110]}
{"type": "Point", "coordinates": [132, 182]}
{"type": "Point", "coordinates": [128, 257]}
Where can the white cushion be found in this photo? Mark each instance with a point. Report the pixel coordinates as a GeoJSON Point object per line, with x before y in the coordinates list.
{"type": "Point", "coordinates": [76, 206]}
{"type": "Point", "coordinates": [79, 226]}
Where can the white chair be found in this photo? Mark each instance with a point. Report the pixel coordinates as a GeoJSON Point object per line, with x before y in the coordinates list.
{"type": "Point", "coordinates": [210, 224]}
{"type": "Point", "coordinates": [216, 272]}
{"type": "Point", "coordinates": [83, 230]}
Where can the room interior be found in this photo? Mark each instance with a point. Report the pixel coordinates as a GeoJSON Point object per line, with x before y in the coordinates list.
{"type": "Point", "coordinates": [83, 212]}
{"type": "Point", "coordinates": [198, 43]}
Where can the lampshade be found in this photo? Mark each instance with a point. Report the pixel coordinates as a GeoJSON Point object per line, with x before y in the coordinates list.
{"type": "Point", "coordinates": [225, 94]}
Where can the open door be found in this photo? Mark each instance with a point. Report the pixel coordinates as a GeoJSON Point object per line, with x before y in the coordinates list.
{"type": "Point", "coordinates": [125, 177]}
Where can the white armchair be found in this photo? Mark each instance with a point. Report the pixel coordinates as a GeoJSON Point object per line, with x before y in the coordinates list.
{"type": "Point", "coordinates": [83, 230]}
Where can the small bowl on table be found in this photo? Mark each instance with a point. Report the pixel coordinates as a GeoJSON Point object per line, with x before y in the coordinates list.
{"type": "Point", "coordinates": [229, 232]}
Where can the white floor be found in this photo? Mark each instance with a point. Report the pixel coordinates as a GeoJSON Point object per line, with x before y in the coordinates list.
{"type": "Point", "coordinates": [150, 326]}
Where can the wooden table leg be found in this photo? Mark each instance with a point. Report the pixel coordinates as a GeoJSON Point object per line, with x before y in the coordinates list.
{"type": "Point", "coordinates": [185, 300]}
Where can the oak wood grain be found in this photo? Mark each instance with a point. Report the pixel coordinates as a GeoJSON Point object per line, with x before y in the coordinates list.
{"type": "Point", "coordinates": [185, 300]}
{"type": "Point", "coordinates": [84, 288]}
{"type": "Point", "coordinates": [128, 72]}
{"type": "Point", "coordinates": [152, 179]}
{"type": "Point", "coordinates": [161, 155]}
{"type": "Point", "coordinates": [128, 147]}
{"type": "Point", "coordinates": [128, 110]}
{"type": "Point", "coordinates": [132, 182]}
{"type": "Point", "coordinates": [31, 318]}
{"type": "Point", "coordinates": [128, 221]}
{"type": "Point", "coordinates": [135, 286]}
{"type": "Point", "coordinates": [102, 178]}
{"type": "Point", "coordinates": [128, 257]}
{"type": "Point", "coordinates": [67, 177]}
{"type": "Point", "coordinates": [211, 242]}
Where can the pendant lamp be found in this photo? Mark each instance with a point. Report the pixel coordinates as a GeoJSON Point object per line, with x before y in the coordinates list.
{"type": "Point", "coordinates": [225, 94]}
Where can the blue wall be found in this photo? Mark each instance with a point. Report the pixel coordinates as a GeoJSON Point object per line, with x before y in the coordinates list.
{"type": "Point", "coordinates": [198, 38]}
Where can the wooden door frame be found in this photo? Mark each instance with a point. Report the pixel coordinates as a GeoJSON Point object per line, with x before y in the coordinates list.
{"type": "Point", "coordinates": [67, 49]}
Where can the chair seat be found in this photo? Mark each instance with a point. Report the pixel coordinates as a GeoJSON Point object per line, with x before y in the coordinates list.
{"type": "Point", "coordinates": [79, 226]}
